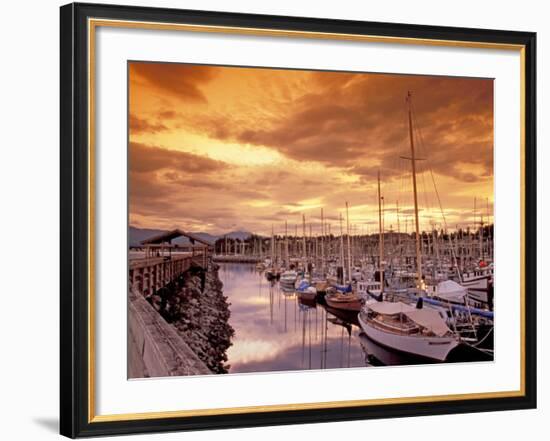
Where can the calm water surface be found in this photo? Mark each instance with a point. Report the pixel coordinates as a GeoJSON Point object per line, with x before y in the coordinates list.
{"type": "Point", "coordinates": [274, 331]}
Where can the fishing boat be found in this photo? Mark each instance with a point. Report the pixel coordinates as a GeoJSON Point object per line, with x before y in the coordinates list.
{"type": "Point", "coordinates": [479, 282]}
{"type": "Point", "coordinates": [416, 331]}
{"type": "Point", "coordinates": [478, 278]}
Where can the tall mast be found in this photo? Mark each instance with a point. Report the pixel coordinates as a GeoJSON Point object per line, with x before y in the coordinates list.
{"type": "Point", "coordinates": [380, 237]}
{"type": "Point", "coordinates": [489, 246]}
{"type": "Point", "coordinates": [398, 226]}
{"type": "Point", "coordinates": [342, 247]}
{"type": "Point", "coordinates": [272, 246]}
{"type": "Point", "coordinates": [304, 237]}
{"type": "Point", "coordinates": [349, 245]}
{"type": "Point", "coordinates": [417, 225]}
{"type": "Point", "coordinates": [296, 241]}
{"type": "Point", "coordinates": [322, 243]}
{"type": "Point", "coordinates": [475, 221]}
{"type": "Point", "coordinates": [481, 254]}
{"type": "Point", "coordinates": [311, 248]}
{"type": "Point", "coordinates": [287, 260]}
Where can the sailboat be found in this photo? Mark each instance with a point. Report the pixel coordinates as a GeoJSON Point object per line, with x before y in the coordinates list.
{"type": "Point", "coordinates": [342, 296]}
{"type": "Point", "coordinates": [305, 290]}
{"type": "Point", "coordinates": [344, 299]}
{"type": "Point", "coordinates": [413, 330]}
{"type": "Point", "coordinates": [416, 331]}
{"type": "Point", "coordinates": [272, 272]}
{"type": "Point", "coordinates": [288, 278]}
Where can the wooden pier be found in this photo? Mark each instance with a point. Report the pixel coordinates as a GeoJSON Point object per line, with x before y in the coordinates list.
{"type": "Point", "coordinates": [146, 276]}
{"type": "Point", "coordinates": [160, 265]}
{"type": "Point", "coordinates": [155, 348]}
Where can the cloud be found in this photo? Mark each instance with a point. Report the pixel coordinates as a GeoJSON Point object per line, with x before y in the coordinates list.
{"type": "Point", "coordinates": [313, 139]}
{"type": "Point", "coordinates": [141, 125]}
{"type": "Point", "coordinates": [179, 80]}
{"type": "Point", "coordinates": [367, 120]}
{"type": "Point", "coordinates": [147, 158]}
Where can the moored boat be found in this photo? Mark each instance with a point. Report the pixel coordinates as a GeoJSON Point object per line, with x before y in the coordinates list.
{"type": "Point", "coordinates": [346, 300]}
{"type": "Point", "coordinates": [369, 288]}
{"type": "Point", "coordinates": [396, 325]}
{"type": "Point", "coordinates": [479, 277]}
{"type": "Point", "coordinates": [272, 274]}
{"type": "Point", "coordinates": [305, 290]}
{"type": "Point", "coordinates": [288, 278]}
{"type": "Point", "coordinates": [448, 291]}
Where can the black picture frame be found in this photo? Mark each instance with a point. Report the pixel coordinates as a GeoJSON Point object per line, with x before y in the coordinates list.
{"type": "Point", "coordinates": [75, 420]}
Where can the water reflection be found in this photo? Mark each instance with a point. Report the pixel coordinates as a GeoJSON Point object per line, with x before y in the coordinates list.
{"type": "Point", "coordinates": [377, 355]}
{"type": "Point", "coordinates": [277, 331]}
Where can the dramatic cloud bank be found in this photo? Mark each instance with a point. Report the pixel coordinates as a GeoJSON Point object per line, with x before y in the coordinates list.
{"type": "Point", "coordinates": [219, 148]}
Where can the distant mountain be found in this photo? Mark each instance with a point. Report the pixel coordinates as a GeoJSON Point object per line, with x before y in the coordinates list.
{"type": "Point", "coordinates": [206, 236]}
{"type": "Point", "coordinates": [241, 235]}
{"type": "Point", "coordinates": [137, 235]}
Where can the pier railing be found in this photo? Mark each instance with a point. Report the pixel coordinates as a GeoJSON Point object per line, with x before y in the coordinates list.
{"type": "Point", "coordinates": [151, 274]}
{"type": "Point", "coordinates": [154, 346]}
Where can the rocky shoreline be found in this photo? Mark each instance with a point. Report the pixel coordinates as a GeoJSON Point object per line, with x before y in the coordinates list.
{"type": "Point", "coordinates": [195, 305]}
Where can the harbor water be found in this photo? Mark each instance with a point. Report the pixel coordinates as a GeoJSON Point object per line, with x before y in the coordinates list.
{"type": "Point", "coordinates": [276, 331]}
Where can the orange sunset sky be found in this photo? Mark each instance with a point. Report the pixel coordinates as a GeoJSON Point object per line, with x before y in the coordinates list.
{"type": "Point", "coordinates": [219, 149]}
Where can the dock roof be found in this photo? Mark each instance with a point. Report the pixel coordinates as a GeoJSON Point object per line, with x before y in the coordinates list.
{"type": "Point", "coordinates": [173, 234]}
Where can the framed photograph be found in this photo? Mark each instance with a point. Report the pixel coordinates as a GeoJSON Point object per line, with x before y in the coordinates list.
{"type": "Point", "coordinates": [276, 220]}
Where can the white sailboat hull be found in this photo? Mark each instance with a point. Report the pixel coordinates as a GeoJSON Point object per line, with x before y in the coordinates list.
{"type": "Point", "coordinates": [288, 278]}
{"type": "Point", "coordinates": [433, 348]}
{"type": "Point", "coordinates": [287, 281]}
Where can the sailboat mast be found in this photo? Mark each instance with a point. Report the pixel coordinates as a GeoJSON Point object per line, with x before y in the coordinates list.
{"type": "Point", "coordinates": [296, 241]}
{"type": "Point", "coordinates": [349, 245]}
{"type": "Point", "coordinates": [322, 243]}
{"type": "Point", "coordinates": [304, 237]}
{"type": "Point", "coordinates": [417, 225]}
{"type": "Point", "coordinates": [342, 263]}
{"type": "Point", "coordinates": [287, 260]}
{"type": "Point", "coordinates": [481, 254]}
{"type": "Point", "coordinates": [398, 226]}
{"type": "Point", "coordinates": [380, 237]}
{"type": "Point", "coordinates": [272, 246]}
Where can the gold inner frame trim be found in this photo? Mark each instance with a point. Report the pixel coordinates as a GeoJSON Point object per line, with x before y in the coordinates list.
{"type": "Point", "coordinates": [299, 406]}
{"type": "Point", "coordinates": [92, 25]}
